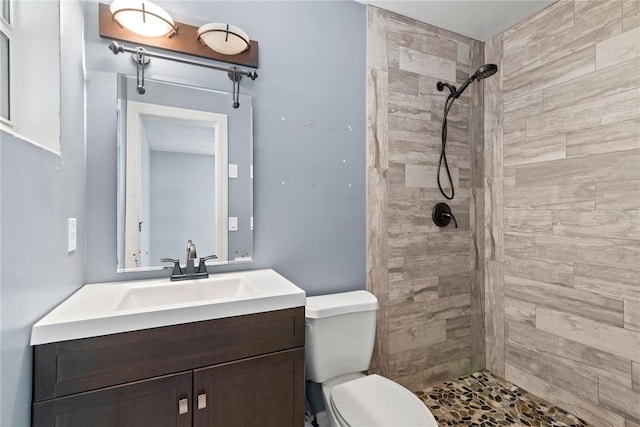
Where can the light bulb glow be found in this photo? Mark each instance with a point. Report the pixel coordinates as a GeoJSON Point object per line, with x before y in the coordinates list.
{"type": "Point", "coordinates": [143, 17]}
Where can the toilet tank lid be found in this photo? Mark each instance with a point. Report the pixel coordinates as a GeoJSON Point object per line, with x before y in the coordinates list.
{"type": "Point", "coordinates": [334, 304]}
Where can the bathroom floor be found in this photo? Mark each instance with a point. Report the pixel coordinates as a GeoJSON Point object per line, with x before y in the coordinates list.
{"type": "Point", "coordinates": [481, 399]}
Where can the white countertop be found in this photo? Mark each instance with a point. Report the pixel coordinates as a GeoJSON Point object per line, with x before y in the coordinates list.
{"type": "Point", "coordinates": [115, 307]}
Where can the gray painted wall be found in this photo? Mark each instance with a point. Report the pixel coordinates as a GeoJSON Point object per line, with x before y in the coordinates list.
{"type": "Point", "coordinates": [309, 137]}
{"type": "Point", "coordinates": [39, 191]}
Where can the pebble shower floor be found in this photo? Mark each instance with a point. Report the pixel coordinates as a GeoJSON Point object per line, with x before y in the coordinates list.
{"type": "Point", "coordinates": [481, 399]}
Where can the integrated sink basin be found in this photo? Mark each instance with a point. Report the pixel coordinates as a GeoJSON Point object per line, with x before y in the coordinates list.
{"type": "Point", "coordinates": [192, 291]}
{"type": "Point", "coordinates": [115, 307]}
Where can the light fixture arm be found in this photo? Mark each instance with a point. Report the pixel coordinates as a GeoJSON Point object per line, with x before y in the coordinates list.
{"type": "Point", "coordinates": [235, 74]}
{"type": "Point", "coordinates": [141, 60]}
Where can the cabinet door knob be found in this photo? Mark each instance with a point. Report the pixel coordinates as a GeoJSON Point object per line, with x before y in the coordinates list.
{"type": "Point", "coordinates": [202, 401]}
{"type": "Point", "coordinates": [183, 406]}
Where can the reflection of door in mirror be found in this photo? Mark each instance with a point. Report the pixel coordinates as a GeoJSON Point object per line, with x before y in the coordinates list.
{"type": "Point", "coordinates": [176, 183]}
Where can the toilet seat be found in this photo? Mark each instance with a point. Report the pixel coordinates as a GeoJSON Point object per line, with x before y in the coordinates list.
{"type": "Point", "coordinates": [375, 401]}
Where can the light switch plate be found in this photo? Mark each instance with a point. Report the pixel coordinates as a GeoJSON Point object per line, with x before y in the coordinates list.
{"type": "Point", "coordinates": [72, 234]}
{"type": "Point", "coordinates": [233, 223]}
{"type": "Point", "coordinates": [233, 170]}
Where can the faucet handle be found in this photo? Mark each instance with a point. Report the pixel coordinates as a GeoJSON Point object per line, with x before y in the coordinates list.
{"type": "Point", "coordinates": [202, 267]}
{"type": "Point", "coordinates": [176, 265]}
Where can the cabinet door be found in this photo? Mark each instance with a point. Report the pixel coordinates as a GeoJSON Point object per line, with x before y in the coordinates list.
{"type": "Point", "coordinates": [265, 390]}
{"type": "Point", "coordinates": [159, 402]}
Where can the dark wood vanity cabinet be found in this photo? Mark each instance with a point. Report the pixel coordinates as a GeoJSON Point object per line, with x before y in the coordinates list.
{"type": "Point", "coordinates": [232, 372]}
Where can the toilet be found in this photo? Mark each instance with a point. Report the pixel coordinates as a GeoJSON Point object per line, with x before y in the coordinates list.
{"type": "Point", "coordinates": [340, 332]}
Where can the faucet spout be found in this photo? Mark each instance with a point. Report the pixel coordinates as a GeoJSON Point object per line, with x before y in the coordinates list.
{"type": "Point", "coordinates": [191, 256]}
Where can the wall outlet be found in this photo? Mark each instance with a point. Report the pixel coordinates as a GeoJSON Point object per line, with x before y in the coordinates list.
{"type": "Point", "coordinates": [72, 234]}
{"type": "Point", "coordinates": [233, 223]}
{"type": "Point", "coordinates": [233, 170]}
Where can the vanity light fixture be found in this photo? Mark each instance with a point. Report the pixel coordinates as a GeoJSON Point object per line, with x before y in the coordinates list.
{"type": "Point", "coordinates": [143, 17]}
{"type": "Point", "coordinates": [224, 38]}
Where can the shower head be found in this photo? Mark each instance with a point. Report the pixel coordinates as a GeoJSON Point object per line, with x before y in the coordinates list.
{"type": "Point", "coordinates": [485, 71]}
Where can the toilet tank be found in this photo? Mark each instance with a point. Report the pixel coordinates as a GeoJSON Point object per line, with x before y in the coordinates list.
{"type": "Point", "coordinates": [340, 332]}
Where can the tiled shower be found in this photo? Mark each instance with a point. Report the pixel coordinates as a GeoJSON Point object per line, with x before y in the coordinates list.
{"type": "Point", "coordinates": [541, 282]}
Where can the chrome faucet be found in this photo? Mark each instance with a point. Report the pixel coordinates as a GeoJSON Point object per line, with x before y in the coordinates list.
{"type": "Point", "coordinates": [189, 272]}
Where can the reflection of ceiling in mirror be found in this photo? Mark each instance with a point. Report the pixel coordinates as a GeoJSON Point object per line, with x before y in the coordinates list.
{"type": "Point", "coordinates": [180, 136]}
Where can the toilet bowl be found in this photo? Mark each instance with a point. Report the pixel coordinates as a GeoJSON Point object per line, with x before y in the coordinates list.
{"type": "Point", "coordinates": [340, 332]}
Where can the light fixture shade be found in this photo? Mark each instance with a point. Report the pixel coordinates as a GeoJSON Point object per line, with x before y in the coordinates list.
{"type": "Point", "coordinates": [224, 38]}
{"type": "Point", "coordinates": [143, 17]}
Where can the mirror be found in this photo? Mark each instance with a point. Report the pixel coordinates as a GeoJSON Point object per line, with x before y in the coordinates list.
{"type": "Point", "coordinates": [184, 173]}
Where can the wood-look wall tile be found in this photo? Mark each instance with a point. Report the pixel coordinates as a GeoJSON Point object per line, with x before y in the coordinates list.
{"type": "Point", "coordinates": [401, 81]}
{"type": "Point", "coordinates": [430, 65]}
{"type": "Point", "coordinates": [630, 14]}
{"type": "Point", "coordinates": [635, 376]}
{"type": "Point", "coordinates": [494, 317]}
{"type": "Point", "coordinates": [531, 33]}
{"type": "Point", "coordinates": [527, 220]}
{"type": "Point", "coordinates": [586, 304]}
{"type": "Point", "coordinates": [416, 336]}
{"type": "Point", "coordinates": [410, 128]}
{"type": "Point", "coordinates": [376, 38]}
{"type": "Point", "coordinates": [407, 363]}
{"type": "Point", "coordinates": [592, 17]}
{"type": "Point", "coordinates": [477, 321]}
{"type": "Point", "coordinates": [619, 399]}
{"type": "Point", "coordinates": [518, 311]}
{"type": "Point", "coordinates": [623, 47]}
{"type": "Point", "coordinates": [618, 194]}
{"type": "Point", "coordinates": [534, 150]}
{"type": "Point", "coordinates": [494, 219]}
{"type": "Point", "coordinates": [619, 341]}
{"type": "Point", "coordinates": [606, 81]}
{"type": "Point", "coordinates": [598, 251]}
{"type": "Point", "coordinates": [598, 223]}
{"type": "Point", "coordinates": [519, 244]}
{"type": "Point", "coordinates": [616, 166]}
{"type": "Point", "coordinates": [553, 371]}
{"type": "Point", "coordinates": [603, 110]}
{"type": "Point", "coordinates": [448, 307]}
{"type": "Point", "coordinates": [632, 424]}
{"type": "Point", "coordinates": [509, 177]}
{"type": "Point", "coordinates": [458, 327]}
{"type": "Point", "coordinates": [438, 265]}
{"type": "Point", "coordinates": [584, 409]}
{"type": "Point", "coordinates": [432, 44]}
{"type": "Point", "coordinates": [539, 269]}
{"type": "Point", "coordinates": [493, 111]}
{"type": "Point", "coordinates": [455, 284]}
{"type": "Point", "coordinates": [447, 243]}
{"type": "Point", "coordinates": [591, 361]}
{"type": "Point", "coordinates": [446, 370]}
{"type": "Point", "coordinates": [416, 152]}
{"type": "Point", "coordinates": [407, 244]}
{"type": "Point", "coordinates": [463, 53]}
{"type": "Point", "coordinates": [426, 176]}
{"type": "Point", "coordinates": [607, 280]}
{"type": "Point", "coordinates": [523, 106]}
{"type": "Point", "coordinates": [446, 351]}
{"type": "Point", "coordinates": [395, 175]}
{"type": "Point", "coordinates": [409, 106]}
{"type": "Point", "coordinates": [632, 314]}
{"type": "Point", "coordinates": [556, 197]}
{"type": "Point", "coordinates": [527, 80]}
{"type": "Point", "coordinates": [604, 139]}
{"type": "Point", "coordinates": [476, 208]}
{"type": "Point", "coordinates": [410, 291]}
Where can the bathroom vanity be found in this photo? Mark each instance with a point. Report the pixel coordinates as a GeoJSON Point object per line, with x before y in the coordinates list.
{"type": "Point", "coordinates": [241, 370]}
